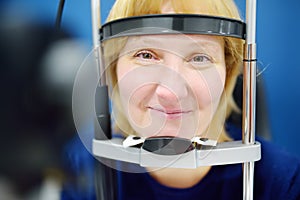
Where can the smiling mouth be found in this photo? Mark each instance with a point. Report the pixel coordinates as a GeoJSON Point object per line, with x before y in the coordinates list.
{"type": "Point", "coordinates": [171, 114]}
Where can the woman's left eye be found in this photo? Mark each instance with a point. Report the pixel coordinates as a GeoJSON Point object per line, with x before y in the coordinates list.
{"type": "Point", "coordinates": [200, 59]}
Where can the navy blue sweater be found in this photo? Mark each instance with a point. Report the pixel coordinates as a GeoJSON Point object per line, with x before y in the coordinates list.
{"type": "Point", "coordinates": [277, 176]}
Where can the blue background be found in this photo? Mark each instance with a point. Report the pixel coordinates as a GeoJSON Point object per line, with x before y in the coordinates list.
{"type": "Point", "coordinates": [278, 31]}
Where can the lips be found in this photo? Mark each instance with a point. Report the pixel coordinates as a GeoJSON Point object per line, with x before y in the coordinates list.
{"type": "Point", "coordinates": [170, 113]}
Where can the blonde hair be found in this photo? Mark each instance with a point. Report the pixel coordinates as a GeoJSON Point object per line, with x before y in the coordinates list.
{"type": "Point", "coordinates": [233, 48]}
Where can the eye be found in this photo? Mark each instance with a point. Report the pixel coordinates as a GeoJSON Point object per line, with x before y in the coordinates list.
{"type": "Point", "coordinates": [145, 55]}
{"type": "Point", "coordinates": [200, 59]}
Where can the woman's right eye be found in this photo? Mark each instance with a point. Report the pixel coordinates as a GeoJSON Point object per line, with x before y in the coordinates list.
{"type": "Point", "coordinates": [145, 55]}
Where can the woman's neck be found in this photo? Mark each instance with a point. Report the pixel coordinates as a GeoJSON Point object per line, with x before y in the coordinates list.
{"type": "Point", "coordinates": [183, 178]}
{"type": "Point", "coordinates": [179, 178]}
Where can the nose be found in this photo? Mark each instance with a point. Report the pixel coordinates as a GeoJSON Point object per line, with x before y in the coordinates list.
{"type": "Point", "coordinates": [172, 87]}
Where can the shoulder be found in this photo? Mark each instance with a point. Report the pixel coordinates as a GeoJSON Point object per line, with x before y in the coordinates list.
{"type": "Point", "coordinates": [78, 165]}
{"type": "Point", "coordinates": [277, 174]}
{"type": "Point", "coordinates": [278, 171]}
{"type": "Point", "coordinates": [276, 160]}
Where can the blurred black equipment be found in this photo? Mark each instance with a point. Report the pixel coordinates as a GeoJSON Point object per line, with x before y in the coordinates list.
{"type": "Point", "coordinates": [37, 67]}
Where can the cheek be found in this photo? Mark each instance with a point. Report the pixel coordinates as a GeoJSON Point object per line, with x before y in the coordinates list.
{"type": "Point", "coordinates": [135, 97]}
{"type": "Point", "coordinates": [123, 67]}
{"type": "Point", "coordinates": [132, 82]}
{"type": "Point", "coordinates": [134, 104]}
{"type": "Point", "coordinates": [207, 85]}
{"type": "Point", "coordinates": [125, 78]}
{"type": "Point", "coordinates": [134, 92]}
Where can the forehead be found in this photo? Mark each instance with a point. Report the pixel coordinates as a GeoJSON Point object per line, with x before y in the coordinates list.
{"type": "Point", "coordinates": [179, 43]}
{"type": "Point", "coordinates": [190, 6]}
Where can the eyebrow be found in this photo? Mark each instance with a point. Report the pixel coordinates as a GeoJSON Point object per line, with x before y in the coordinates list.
{"type": "Point", "coordinates": [149, 39]}
{"type": "Point", "coordinates": [190, 43]}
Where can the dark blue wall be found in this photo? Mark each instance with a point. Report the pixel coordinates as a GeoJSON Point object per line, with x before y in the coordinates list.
{"type": "Point", "coordinates": [278, 31]}
{"type": "Point", "coordinates": [278, 39]}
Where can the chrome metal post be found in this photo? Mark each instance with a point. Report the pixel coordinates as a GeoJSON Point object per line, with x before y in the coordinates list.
{"type": "Point", "coordinates": [249, 94]}
{"type": "Point", "coordinates": [96, 21]}
{"type": "Point", "coordinates": [96, 25]}
{"type": "Point", "coordinates": [105, 176]}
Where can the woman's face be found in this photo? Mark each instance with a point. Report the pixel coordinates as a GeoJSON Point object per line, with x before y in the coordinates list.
{"type": "Point", "coordinates": [171, 85]}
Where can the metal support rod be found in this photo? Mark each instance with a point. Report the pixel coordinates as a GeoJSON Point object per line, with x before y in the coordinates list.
{"type": "Point", "coordinates": [249, 94]}
{"type": "Point", "coordinates": [251, 21]}
{"type": "Point", "coordinates": [96, 21]}
{"type": "Point", "coordinates": [96, 25]}
{"type": "Point", "coordinates": [249, 124]}
{"type": "Point", "coordinates": [105, 177]}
